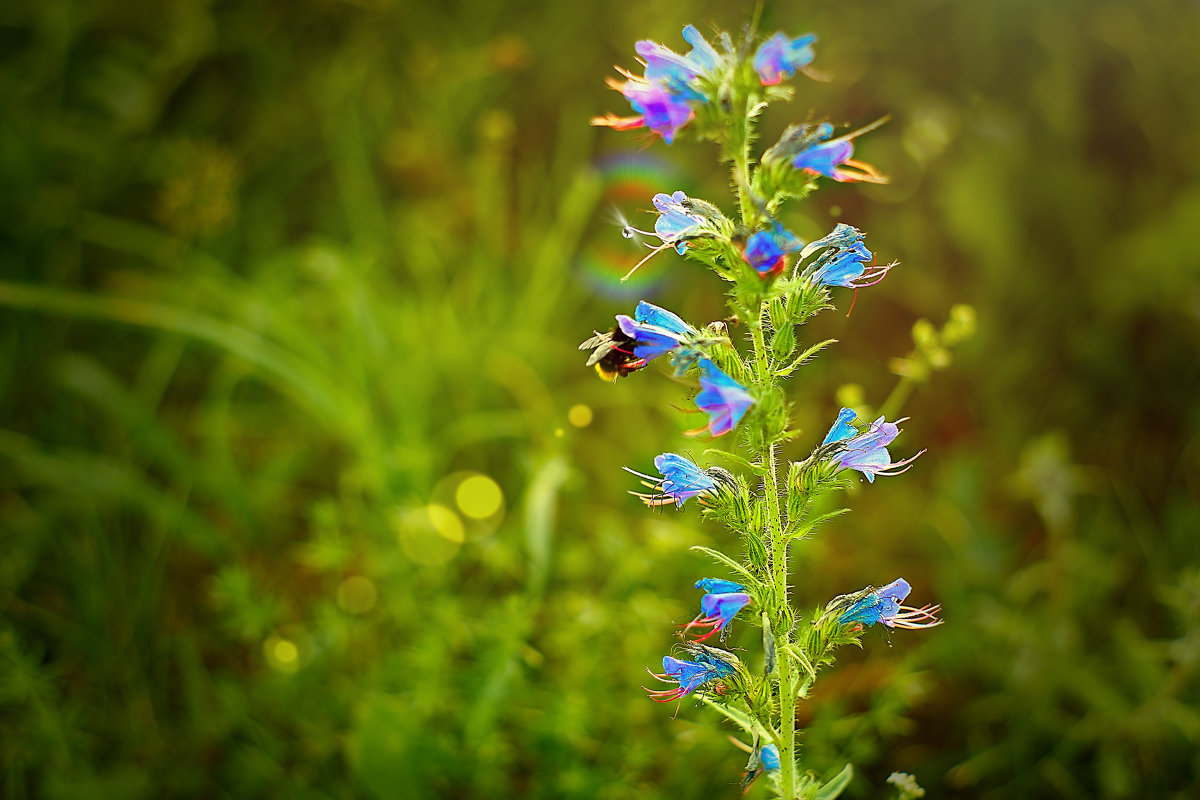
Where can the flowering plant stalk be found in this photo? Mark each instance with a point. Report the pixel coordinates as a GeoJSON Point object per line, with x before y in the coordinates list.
{"type": "Point", "coordinates": [776, 282]}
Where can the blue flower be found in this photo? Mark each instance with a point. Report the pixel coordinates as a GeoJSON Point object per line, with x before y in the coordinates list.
{"type": "Point", "coordinates": [675, 224]}
{"type": "Point", "coordinates": [844, 261]}
{"type": "Point", "coordinates": [765, 250]}
{"type": "Point", "coordinates": [710, 665]}
{"type": "Point", "coordinates": [676, 72]}
{"type": "Point", "coordinates": [719, 586]}
{"type": "Point", "coordinates": [680, 480]}
{"type": "Point", "coordinates": [655, 331]}
{"type": "Point", "coordinates": [780, 56]}
{"type": "Point", "coordinates": [884, 605]}
{"type": "Point", "coordinates": [842, 429]}
{"type": "Point", "coordinates": [722, 398]}
{"type": "Point", "coordinates": [866, 451]}
{"type": "Point", "coordinates": [810, 148]}
{"type": "Point", "coordinates": [680, 220]}
{"type": "Point", "coordinates": [769, 756]}
{"type": "Point", "coordinates": [666, 95]}
{"type": "Point", "coordinates": [717, 611]}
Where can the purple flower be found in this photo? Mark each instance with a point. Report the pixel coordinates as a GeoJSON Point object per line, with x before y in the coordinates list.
{"type": "Point", "coordinates": [638, 340]}
{"type": "Point", "coordinates": [665, 96]}
{"type": "Point", "coordinates": [719, 586]}
{"type": "Point", "coordinates": [665, 67]}
{"type": "Point", "coordinates": [810, 148]}
{"type": "Point", "coordinates": [829, 157]}
{"type": "Point", "coordinates": [680, 480]}
{"type": "Point", "coordinates": [722, 398]}
{"type": "Point", "coordinates": [655, 331]}
{"type": "Point", "coordinates": [717, 611]}
{"type": "Point", "coordinates": [844, 261]}
{"type": "Point", "coordinates": [883, 605]}
{"type": "Point", "coordinates": [661, 110]}
{"type": "Point", "coordinates": [675, 223]}
{"type": "Point", "coordinates": [710, 665]}
{"type": "Point", "coordinates": [680, 220]}
{"type": "Point", "coordinates": [867, 451]}
{"type": "Point", "coordinates": [780, 56]}
{"type": "Point", "coordinates": [765, 250]}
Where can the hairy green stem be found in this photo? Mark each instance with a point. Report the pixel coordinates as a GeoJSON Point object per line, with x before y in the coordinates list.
{"type": "Point", "coordinates": [769, 461]}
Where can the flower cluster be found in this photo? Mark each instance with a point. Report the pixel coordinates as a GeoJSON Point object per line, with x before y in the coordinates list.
{"type": "Point", "coordinates": [843, 260]}
{"type": "Point", "coordinates": [709, 666]}
{"type": "Point", "coordinates": [681, 479]}
{"type": "Point", "coordinates": [873, 605]}
{"type": "Point", "coordinates": [813, 149]}
{"type": "Point", "coordinates": [779, 57]}
{"type": "Point", "coordinates": [777, 283]}
{"type": "Point", "coordinates": [721, 602]}
{"type": "Point", "coordinates": [666, 95]}
{"type": "Point", "coordinates": [638, 340]}
{"type": "Point", "coordinates": [653, 332]}
{"type": "Point", "coordinates": [865, 451]}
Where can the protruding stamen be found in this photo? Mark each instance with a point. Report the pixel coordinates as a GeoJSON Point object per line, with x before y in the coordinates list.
{"type": "Point", "coordinates": [653, 253]}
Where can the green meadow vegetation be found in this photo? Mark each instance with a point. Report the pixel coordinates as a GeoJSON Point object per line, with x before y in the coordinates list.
{"type": "Point", "coordinates": [306, 492]}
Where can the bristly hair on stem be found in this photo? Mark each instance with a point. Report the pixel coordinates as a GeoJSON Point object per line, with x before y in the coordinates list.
{"type": "Point", "coordinates": [777, 284]}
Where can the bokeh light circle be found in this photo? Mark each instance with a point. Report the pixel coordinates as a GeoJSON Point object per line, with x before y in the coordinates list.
{"type": "Point", "coordinates": [580, 415]}
{"type": "Point", "coordinates": [478, 497]}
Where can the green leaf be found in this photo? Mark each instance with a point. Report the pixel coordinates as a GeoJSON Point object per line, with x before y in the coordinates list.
{"type": "Point", "coordinates": [721, 558]}
{"type": "Point", "coordinates": [808, 528]}
{"type": "Point", "coordinates": [734, 458]}
{"type": "Point", "coordinates": [740, 718]}
{"type": "Point", "coordinates": [798, 656]}
{"type": "Point", "coordinates": [805, 356]}
{"type": "Point", "coordinates": [837, 784]}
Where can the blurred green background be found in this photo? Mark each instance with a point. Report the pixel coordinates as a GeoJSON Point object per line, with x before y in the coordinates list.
{"type": "Point", "coordinates": [282, 280]}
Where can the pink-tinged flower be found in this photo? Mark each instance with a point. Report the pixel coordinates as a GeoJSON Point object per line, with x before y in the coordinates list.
{"type": "Point", "coordinates": [722, 398]}
{"type": "Point", "coordinates": [780, 56]}
{"type": "Point", "coordinates": [867, 451]}
{"type": "Point", "coordinates": [883, 605]}
{"type": "Point", "coordinates": [668, 92]}
{"type": "Point", "coordinates": [767, 250]}
{"type": "Point", "coordinates": [716, 612]}
{"type": "Point", "coordinates": [845, 260]}
{"type": "Point", "coordinates": [710, 665]}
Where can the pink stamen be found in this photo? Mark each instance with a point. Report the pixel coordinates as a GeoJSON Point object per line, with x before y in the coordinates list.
{"type": "Point", "coordinates": [713, 623]}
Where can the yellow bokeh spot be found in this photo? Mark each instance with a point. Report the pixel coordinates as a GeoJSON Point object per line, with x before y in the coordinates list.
{"type": "Point", "coordinates": [286, 652]}
{"type": "Point", "coordinates": [479, 497]}
{"type": "Point", "coordinates": [446, 523]}
{"type": "Point", "coordinates": [356, 595]}
{"type": "Point", "coordinates": [420, 537]}
{"type": "Point", "coordinates": [580, 415]}
{"type": "Point", "coordinates": [281, 654]}
{"type": "Point", "coordinates": [851, 395]}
